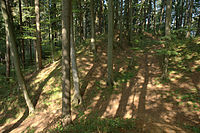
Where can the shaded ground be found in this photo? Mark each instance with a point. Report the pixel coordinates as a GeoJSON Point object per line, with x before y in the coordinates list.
{"type": "Point", "coordinates": [156, 107]}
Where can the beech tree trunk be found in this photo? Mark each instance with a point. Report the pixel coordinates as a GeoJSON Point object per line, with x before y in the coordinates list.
{"type": "Point", "coordinates": [76, 98]}
{"type": "Point", "coordinates": [66, 87]}
{"type": "Point", "coordinates": [7, 57]}
{"type": "Point", "coordinates": [12, 42]}
{"type": "Point", "coordinates": [38, 35]}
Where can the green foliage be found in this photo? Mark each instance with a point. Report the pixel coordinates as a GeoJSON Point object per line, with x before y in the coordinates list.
{"type": "Point", "coordinates": [194, 129]}
{"type": "Point", "coordinates": [90, 125]}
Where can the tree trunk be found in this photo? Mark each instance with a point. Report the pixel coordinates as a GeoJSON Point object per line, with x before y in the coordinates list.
{"type": "Point", "coordinates": [181, 14]}
{"type": "Point", "coordinates": [38, 35]}
{"type": "Point", "coordinates": [161, 15]}
{"type": "Point", "coordinates": [110, 43]}
{"type": "Point", "coordinates": [120, 23]}
{"type": "Point", "coordinates": [190, 19]}
{"type": "Point", "coordinates": [168, 18]}
{"type": "Point", "coordinates": [66, 87]}
{"type": "Point", "coordinates": [198, 28]}
{"type": "Point", "coordinates": [167, 33]}
{"type": "Point", "coordinates": [76, 98]}
{"type": "Point", "coordinates": [52, 16]}
{"type": "Point", "coordinates": [149, 15]}
{"type": "Point", "coordinates": [130, 22]}
{"type": "Point", "coordinates": [116, 3]}
{"type": "Point", "coordinates": [21, 32]}
{"type": "Point", "coordinates": [101, 16]}
{"type": "Point", "coordinates": [186, 14]}
{"type": "Point", "coordinates": [7, 57]}
{"type": "Point", "coordinates": [154, 17]}
{"type": "Point", "coordinates": [12, 42]}
{"type": "Point", "coordinates": [93, 45]}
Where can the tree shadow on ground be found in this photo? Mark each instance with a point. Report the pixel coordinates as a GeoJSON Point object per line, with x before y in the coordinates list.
{"type": "Point", "coordinates": [140, 121]}
{"type": "Point", "coordinates": [34, 98]}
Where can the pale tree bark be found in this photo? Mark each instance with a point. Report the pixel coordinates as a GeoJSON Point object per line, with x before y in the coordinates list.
{"type": "Point", "coordinates": [168, 17]}
{"type": "Point", "coordinates": [38, 46]}
{"type": "Point", "coordinates": [7, 57]}
{"type": "Point", "coordinates": [76, 98]}
{"type": "Point", "coordinates": [190, 19]}
{"type": "Point", "coordinates": [12, 42]}
{"type": "Point", "coordinates": [167, 33]}
{"type": "Point", "coordinates": [110, 43]}
{"type": "Point", "coordinates": [93, 45]}
{"type": "Point", "coordinates": [161, 15]}
{"type": "Point", "coordinates": [66, 87]}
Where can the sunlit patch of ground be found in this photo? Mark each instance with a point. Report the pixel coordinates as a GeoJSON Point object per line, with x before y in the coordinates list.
{"type": "Point", "coordinates": [138, 93]}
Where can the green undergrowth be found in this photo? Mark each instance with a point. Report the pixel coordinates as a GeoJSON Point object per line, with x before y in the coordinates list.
{"type": "Point", "coordinates": [97, 125]}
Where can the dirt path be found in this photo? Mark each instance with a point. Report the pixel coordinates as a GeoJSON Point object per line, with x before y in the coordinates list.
{"type": "Point", "coordinates": [155, 106]}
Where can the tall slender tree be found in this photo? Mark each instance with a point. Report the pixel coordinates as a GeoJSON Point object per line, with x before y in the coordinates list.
{"type": "Point", "coordinates": [190, 19]}
{"type": "Point", "coordinates": [76, 99]}
{"type": "Point", "coordinates": [12, 42]}
{"type": "Point", "coordinates": [161, 15]}
{"type": "Point", "coordinates": [93, 45]}
{"type": "Point", "coordinates": [167, 34]}
{"type": "Point", "coordinates": [66, 87]}
{"type": "Point", "coordinates": [38, 35]}
{"type": "Point", "coordinates": [110, 43]}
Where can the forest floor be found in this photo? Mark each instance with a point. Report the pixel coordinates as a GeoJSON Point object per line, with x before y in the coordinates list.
{"type": "Point", "coordinates": [138, 93]}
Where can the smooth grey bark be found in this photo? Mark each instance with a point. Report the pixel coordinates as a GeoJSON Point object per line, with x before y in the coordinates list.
{"type": "Point", "coordinates": [38, 46]}
{"type": "Point", "coordinates": [66, 87]}
{"type": "Point", "coordinates": [110, 43]}
{"type": "Point", "coordinates": [93, 45]}
{"type": "Point", "coordinates": [189, 19]}
{"type": "Point", "coordinates": [168, 17]}
{"type": "Point", "coordinates": [7, 57]}
{"type": "Point", "coordinates": [76, 98]}
{"type": "Point", "coordinates": [12, 42]}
